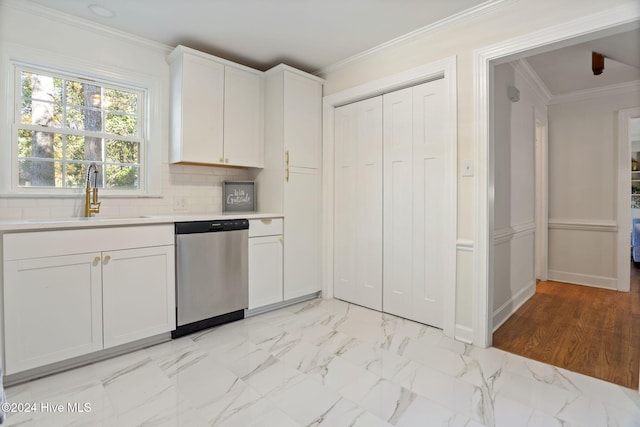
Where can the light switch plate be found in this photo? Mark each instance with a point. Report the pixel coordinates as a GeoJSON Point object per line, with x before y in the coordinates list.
{"type": "Point", "coordinates": [467, 168]}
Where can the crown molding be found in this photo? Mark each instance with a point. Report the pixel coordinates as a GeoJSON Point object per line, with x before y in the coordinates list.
{"type": "Point", "coordinates": [481, 9]}
{"type": "Point", "coordinates": [532, 79]}
{"type": "Point", "coordinates": [598, 92]}
{"type": "Point", "coordinates": [65, 18]}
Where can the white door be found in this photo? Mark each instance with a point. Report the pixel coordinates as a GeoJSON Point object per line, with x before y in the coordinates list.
{"type": "Point", "coordinates": [358, 203]}
{"type": "Point", "coordinates": [138, 294]}
{"type": "Point", "coordinates": [52, 309]}
{"type": "Point", "coordinates": [415, 183]}
{"type": "Point", "coordinates": [265, 271]}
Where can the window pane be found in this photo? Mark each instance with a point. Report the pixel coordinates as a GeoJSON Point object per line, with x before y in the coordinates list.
{"type": "Point", "coordinates": [119, 100]}
{"type": "Point", "coordinates": [25, 143]}
{"type": "Point", "coordinates": [41, 87]}
{"type": "Point", "coordinates": [39, 173]}
{"type": "Point", "coordinates": [84, 148]}
{"type": "Point", "coordinates": [122, 151]}
{"type": "Point", "coordinates": [84, 119]}
{"type": "Point", "coordinates": [76, 175]}
{"type": "Point", "coordinates": [45, 145]}
{"type": "Point", "coordinates": [121, 125]}
{"type": "Point", "coordinates": [41, 113]}
{"type": "Point", "coordinates": [122, 177]}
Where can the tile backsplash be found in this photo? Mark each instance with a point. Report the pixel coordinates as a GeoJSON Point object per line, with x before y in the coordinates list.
{"type": "Point", "coordinates": [186, 189]}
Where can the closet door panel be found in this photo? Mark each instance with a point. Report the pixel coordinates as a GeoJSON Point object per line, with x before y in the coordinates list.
{"type": "Point", "coordinates": [358, 203]}
{"type": "Point", "coordinates": [429, 169]}
{"type": "Point", "coordinates": [398, 202]}
{"type": "Point", "coordinates": [345, 206]}
{"type": "Point", "coordinates": [369, 198]}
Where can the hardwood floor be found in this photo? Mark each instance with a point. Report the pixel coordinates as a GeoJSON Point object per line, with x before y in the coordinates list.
{"type": "Point", "coordinates": [592, 331]}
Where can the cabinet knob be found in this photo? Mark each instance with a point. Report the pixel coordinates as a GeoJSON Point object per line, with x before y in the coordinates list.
{"type": "Point", "coordinates": [221, 159]}
{"type": "Point", "coordinates": [96, 259]}
{"type": "Point", "coordinates": [281, 240]}
{"type": "Point", "coordinates": [226, 160]}
{"type": "Point", "coordinates": [107, 258]}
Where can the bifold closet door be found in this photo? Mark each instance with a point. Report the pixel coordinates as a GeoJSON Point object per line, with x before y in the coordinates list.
{"type": "Point", "coordinates": [358, 203]}
{"type": "Point", "coordinates": [414, 198]}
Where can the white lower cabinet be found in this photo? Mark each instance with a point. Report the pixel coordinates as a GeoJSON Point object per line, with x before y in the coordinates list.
{"type": "Point", "coordinates": [59, 304]}
{"type": "Point", "coordinates": [137, 294]}
{"type": "Point", "coordinates": [265, 262]}
{"type": "Point", "coordinates": [52, 310]}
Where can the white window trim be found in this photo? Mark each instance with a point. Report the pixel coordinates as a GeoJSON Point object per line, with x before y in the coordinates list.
{"type": "Point", "coordinates": [14, 56]}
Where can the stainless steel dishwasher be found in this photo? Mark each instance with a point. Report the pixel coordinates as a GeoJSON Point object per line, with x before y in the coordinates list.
{"type": "Point", "coordinates": [211, 273]}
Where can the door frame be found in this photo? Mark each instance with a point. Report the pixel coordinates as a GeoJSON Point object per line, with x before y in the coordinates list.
{"type": "Point", "coordinates": [443, 68]}
{"type": "Point", "coordinates": [624, 212]}
{"type": "Point", "coordinates": [542, 195]}
{"type": "Point", "coordinates": [607, 22]}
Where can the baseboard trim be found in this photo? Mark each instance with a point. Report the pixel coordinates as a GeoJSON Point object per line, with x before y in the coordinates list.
{"type": "Point", "coordinates": [75, 362]}
{"type": "Point", "coordinates": [464, 334]}
{"type": "Point", "coordinates": [507, 309]}
{"type": "Point", "coordinates": [583, 279]}
{"type": "Point", "coordinates": [277, 305]}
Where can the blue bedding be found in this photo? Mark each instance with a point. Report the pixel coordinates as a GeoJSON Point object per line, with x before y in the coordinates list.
{"type": "Point", "coordinates": [635, 239]}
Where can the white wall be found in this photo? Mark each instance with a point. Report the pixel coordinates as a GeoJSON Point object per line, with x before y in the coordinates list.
{"type": "Point", "coordinates": [514, 211]}
{"type": "Point", "coordinates": [512, 19]}
{"type": "Point", "coordinates": [583, 189]}
{"type": "Point", "coordinates": [43, 38]}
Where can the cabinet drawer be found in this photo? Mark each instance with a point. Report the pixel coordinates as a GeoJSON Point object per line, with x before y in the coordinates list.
{"type": "Point", "coordinates": [265, 227]}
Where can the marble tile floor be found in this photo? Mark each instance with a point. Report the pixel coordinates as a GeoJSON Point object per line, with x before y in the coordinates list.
{"type": "Point", "coordinates": [322, 363]}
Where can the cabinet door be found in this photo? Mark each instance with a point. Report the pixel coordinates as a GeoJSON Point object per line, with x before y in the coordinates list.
{"type": "Point", "coordinates": [52, 309]}
{"type": "Point", "coordinates": [358, 203]}
{"type": "Point", "coordinates": [243, 118]}
{"type": "Point", "coordinates": [302, 233]}
{"type": "Point", "coordinates": [265, 271]}
{"type": "Point", "coordinates": [202, 101]}
{"type": "Point", "coordinates": [138, 294]}
{"type": "Point", "coordinates": [302, 120]}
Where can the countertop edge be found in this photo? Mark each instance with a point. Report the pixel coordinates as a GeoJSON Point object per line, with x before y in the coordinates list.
{"type": "Point", "coordinates": [8, 226]}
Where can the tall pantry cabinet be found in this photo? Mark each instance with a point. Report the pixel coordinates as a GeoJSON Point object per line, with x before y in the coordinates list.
{"type": "Point", "coordinates": [291, 179]}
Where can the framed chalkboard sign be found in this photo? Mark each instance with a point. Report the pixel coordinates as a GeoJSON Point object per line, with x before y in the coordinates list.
{"type": "Point", "coordinates": [238, 196]}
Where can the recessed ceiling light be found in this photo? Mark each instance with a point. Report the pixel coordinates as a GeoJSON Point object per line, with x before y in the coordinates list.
{"type": "Point", "coordinates": [100, 11]}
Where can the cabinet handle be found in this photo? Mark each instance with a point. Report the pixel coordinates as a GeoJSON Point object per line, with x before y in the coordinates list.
{"type": "Point", "coordinates": [96, 259]}
{"type": "Point", "coordinates": [286, 171]}
{"type": "Point", "coordinates": [266, 220]}
{"type": "Point", "coordinates": [107, 259]}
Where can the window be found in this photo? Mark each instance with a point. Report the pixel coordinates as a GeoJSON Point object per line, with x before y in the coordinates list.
{"type": "Point", "coordinates": [66, 123]}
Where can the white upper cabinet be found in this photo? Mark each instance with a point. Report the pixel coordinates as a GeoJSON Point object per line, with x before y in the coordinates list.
{"type": "Point", "coordinates": [217, 111]}
{"type": "Point", "coordinates": [243, 118]}
{"type": "Point", "coordinates": [302, 120]}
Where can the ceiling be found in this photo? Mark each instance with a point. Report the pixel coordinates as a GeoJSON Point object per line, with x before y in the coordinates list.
{"type": "Point", "coordinates": [307, 34]}
{"type": "Point", "coordinates": [569, 69]}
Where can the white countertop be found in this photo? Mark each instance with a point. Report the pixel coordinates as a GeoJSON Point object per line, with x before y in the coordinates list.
{"type": "Point", "coordinates": [102, 221]}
